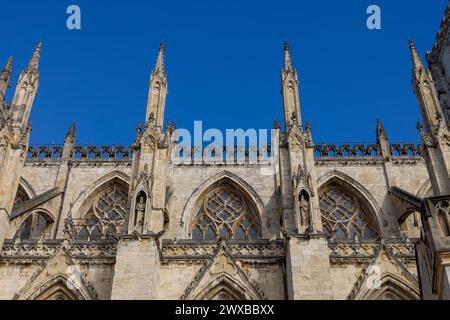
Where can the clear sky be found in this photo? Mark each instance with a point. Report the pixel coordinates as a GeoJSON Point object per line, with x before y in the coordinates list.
{"type": "Point", "coordinates": [223, 60]}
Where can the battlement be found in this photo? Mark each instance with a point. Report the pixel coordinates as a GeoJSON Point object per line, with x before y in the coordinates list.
{"type": "Point", "coordinates": [82, 152]}
{"type": "Point", "coordinates": [224, 155]}
{"type": "Point", "coordinates": [365, 150]}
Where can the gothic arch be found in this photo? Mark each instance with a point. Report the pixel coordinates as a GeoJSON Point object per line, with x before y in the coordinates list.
{"type": "Point", "coordinates": [357, 189]}
{"type": "Point", "coordinates": [18, 222]}
{"type": "Point", "coordinates": [84, 199]}
{"type": "Point", "coordinates": [58, 285]}
{"type": "Point", "coordinates": [392, 286]}
{"type": "Point", "coordinates": [192, 206]}
{"type": "Point", "coordinates": [26, 186]}
{"type": "Point", "coordinates": [223, 289]}
{"type": "Point", "coordinates": [225, 283]}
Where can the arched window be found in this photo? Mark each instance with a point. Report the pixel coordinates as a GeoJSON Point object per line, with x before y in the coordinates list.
{"type": "Point", "coordinates": [225, 214]}
{"type": "Point", "coordinates": [106, 216]}
{"type": "Point", "coordinates": [38, 225]}
{"type": "Point", "coordinates": [344, 216]}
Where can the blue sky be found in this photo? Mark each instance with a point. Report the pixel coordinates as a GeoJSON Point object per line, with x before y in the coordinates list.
{"type": "Point", "coordinates": [223, 60]}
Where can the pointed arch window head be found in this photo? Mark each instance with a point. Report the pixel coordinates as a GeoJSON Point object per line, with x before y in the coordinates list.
{"type": "Point", "coordinates": [344, 216]}
{"type": "Point", "coordinates": [225, 214]}
{"type": "Point", "coordinates": [105, 219]}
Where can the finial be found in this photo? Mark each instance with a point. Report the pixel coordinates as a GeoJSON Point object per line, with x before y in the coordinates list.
{"type": "Point", "coordinates": [308, 126]}
{"type": "Point", "coordinates": [34, 61]}
{"type": "Point", "coordinates": [419, 127]}
{"type": "Point", "coordinates": [159, 67]}
{"type": "Point", "coordinates": [70, 136]}
{"type": "Point", "coordinates": [415, 56]}
{"type": "Point", "coordinates": [287, 57]}
{"type": "Point", "coordinates": [380, 132]}
{"type": "Point", "coordinates": [9, 64]}
{"type": "Point", "coordinates": [5, 75]}
{"type": "Point", "coordinates": [380, 127]}
{"type": "Point", "coordinates": [276, 125]}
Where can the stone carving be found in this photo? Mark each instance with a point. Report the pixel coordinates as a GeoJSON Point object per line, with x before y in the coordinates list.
{"type": "Point", "coordinates": [187, 250]}
{"type": "Point", "coordinates": [223, 265]}
{"type": "Point", "coordinates": [294, 118]}
{"type": "Point", "coordinates": [39, 252]}
{"type": "Point", "coordinates": [140, 209]}
{"type": "Point", "coordinates": [348, 252]}
{"type": "Point", "coordinates": [307, 135]}
{"type": "Point", "coordinates": [443, 215]}
{"type": "Point", "coordinates": [276, 125]}
{"type": "Point", "coordinates": [305, 210]}
{"type": "Point", "coordinates": [303, 179]}
{"type": "Point", "coordinates": [425, 137]}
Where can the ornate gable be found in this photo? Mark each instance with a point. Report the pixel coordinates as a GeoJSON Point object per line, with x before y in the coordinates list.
{"type": "Point", "coordinates": [385, 274]}
{"type": "Point", "coordinates": [222, 270]}
{"type": "Point", "coordinates": [59, 271]}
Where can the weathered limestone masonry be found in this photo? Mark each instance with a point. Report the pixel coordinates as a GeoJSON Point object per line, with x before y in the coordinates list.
{"type": "Point", "coordinates": [137, 270]}
{"type": "Point", "coordinates": [156, 220]}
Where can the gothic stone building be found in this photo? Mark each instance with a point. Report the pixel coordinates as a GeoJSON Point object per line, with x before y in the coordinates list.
{"type": "Point", "coordinates": [316, 222]}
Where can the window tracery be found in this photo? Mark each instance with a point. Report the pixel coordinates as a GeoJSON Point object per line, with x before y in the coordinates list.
{"type": "Point", "coordinates": [225, 214]}
{"type": "Point", "coordinates": [343, 216]}
{"type": "Point", "coordinates": [106, 217]}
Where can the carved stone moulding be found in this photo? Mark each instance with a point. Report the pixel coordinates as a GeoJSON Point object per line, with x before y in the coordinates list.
{"type": "Point", "coordinates": [248, 250]}
{"type": "Point", "coordinates": [35, 252]}
{"type": "Point", "coordinates": [350, 252]}
{"type": "Point", "coordinates": [348, 162]}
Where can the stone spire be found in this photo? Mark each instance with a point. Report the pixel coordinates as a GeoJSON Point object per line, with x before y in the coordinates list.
{"type": "Point", "coordinates": [380, 130]}
{"type": "Point", "coordinates": [290, 92]}
{"type": "Point", "coordinates": [5, 75]}
{"type": "Point", "coordinates": [425, 91]}
{"type": "Point", "coordinates": [157, 92]}
{"type": "Point", "coordinates": [435, 139]}
{"type": "Point", "coordinates": [71, 134]}
{"type": "Point", "coordinates": [33, 65]}
{"type": "Point", "coordinates": [69, 142]}
{"type": "Point", "coordinates": [287, 58]}
{"type": "Point", "coordinates": [26, 90]}
{"type": "Point", "coordinates": [159, 67]}
{"type": "Point", "coordinates": [418, 67]}
{"type": "Point", "coordinates": [383, 140]}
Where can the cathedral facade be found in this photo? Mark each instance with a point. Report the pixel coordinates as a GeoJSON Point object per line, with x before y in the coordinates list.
{"type": "Point", "coordinates": [293, 220]}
